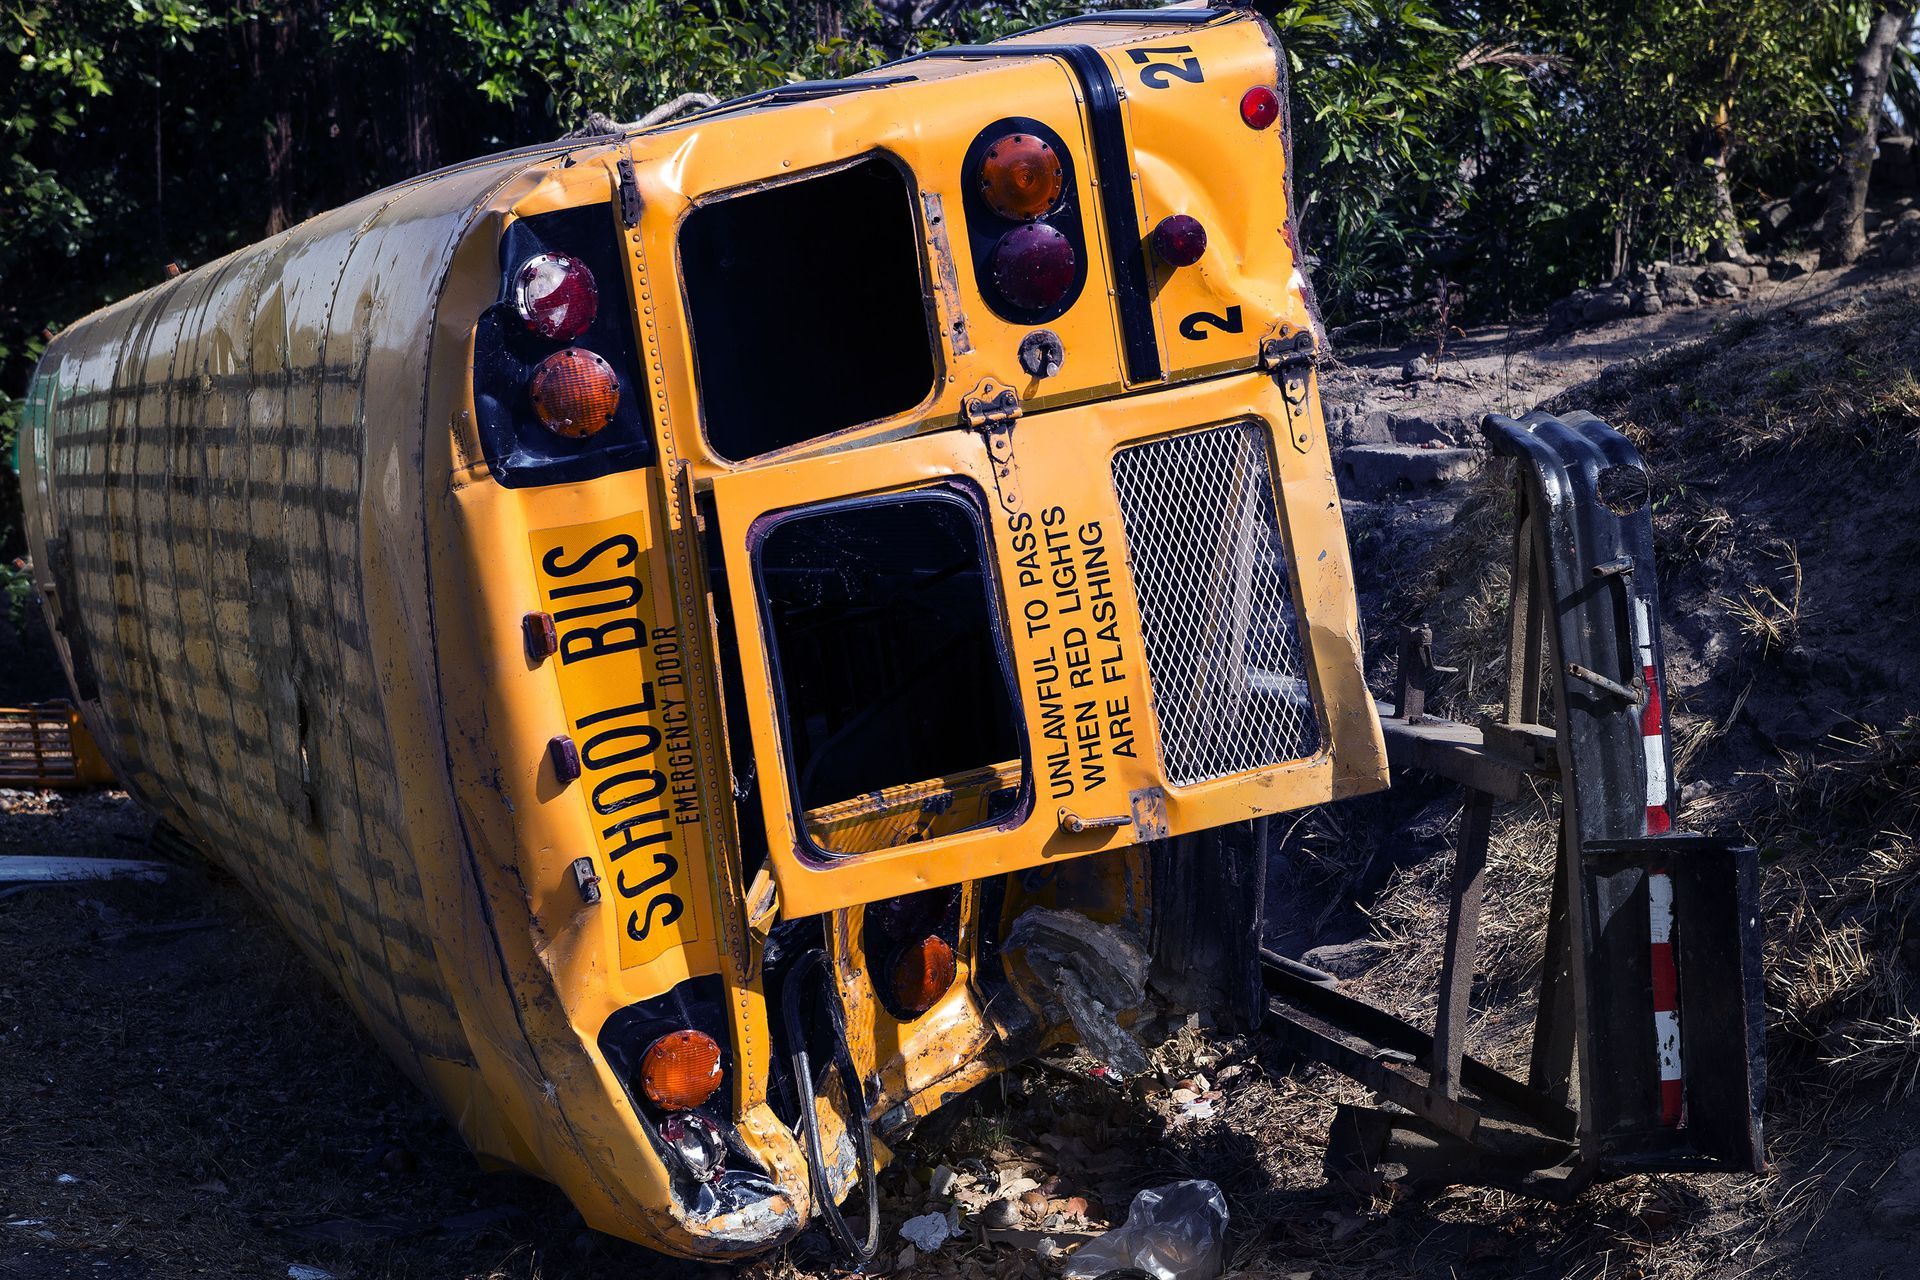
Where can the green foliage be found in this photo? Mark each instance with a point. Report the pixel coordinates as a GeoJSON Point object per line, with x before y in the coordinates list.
{"type": "Point", "coordinates": [1475, 156]}
{"type": "Point", "coordinates": [1518, 148]}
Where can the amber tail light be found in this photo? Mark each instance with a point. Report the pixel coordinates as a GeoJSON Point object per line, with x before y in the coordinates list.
{"type": "Point", "coordinates": [920, 973]}
{"type": "Point", "coordinates": [574, 392]}
{"type": "Point", "coordinates": [1021, 177]}
{"type": "Point", "coordinates": [681, 1070]}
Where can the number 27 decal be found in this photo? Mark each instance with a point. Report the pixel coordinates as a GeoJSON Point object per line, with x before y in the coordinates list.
{"type": "Point", "coordinates": [1158, 75]}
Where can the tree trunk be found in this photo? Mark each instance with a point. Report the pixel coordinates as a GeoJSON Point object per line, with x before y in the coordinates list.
{"type": "Point", "coordinates": [1843, 236]}
{"type": "Point", "coordinates": [1728, 245]}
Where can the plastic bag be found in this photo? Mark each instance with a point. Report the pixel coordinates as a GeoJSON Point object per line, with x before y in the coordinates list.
{"type": "Point", "coordinates": [1175, 1232]}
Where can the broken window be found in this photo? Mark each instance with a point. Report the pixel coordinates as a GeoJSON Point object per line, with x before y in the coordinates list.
{"type": "Point", "coordinates": [888, 659]}
{"type": "Point", "coordinates": [807, 307]}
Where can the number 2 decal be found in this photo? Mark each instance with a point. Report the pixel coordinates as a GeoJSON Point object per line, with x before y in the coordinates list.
{"type": "Point", "coordinates": [1158, 75]}
{"type": "Point", "coordinates": [1194, 327]}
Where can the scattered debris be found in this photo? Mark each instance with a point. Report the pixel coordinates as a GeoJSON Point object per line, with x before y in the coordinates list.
{"type": "Point", "coordinates": [942, 1181]}
{"type": "Point", "coordinates": [1175, 1232]}
{"type": "Point", "coordinates": [24, 869]}
{"type": "Point", "coordinates": [930, 1230]}
{"type": "Point", "coordinates": [1095, 971]}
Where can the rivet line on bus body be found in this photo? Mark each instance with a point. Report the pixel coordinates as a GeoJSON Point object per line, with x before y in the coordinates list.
{"type": "Point", "coordinates": [565, 757]}
{"type": "Point", "coordinates": [543, 638]}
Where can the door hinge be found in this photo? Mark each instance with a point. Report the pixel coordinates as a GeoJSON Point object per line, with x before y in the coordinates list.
{"type": "Point", "coordinates": [1290, 355]}
{"type": "Point", "coordinates": [629, 194]}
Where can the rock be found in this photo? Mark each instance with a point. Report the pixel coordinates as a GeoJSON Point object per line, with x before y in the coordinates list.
{"type": "Point", "coordinates": [1564, 315]}
{"type": "Point", "coordinates": [1377, 471]}
{"type": "Point", "coordinates": [1791, 266]}
{"type": "Point", "coordinates": [1893, 168]}
{"type": "Point", "coordinates": [1408, 428]}
{"type": "Point", "coordinates": [999, 1215]}
{"type": "Point", "coordinates": [1416, 369]}
{"type": "Point", "coordinates": [1648, 303]}
{"type": "Point", "coordinates": [1345, 959]}
{"type": "Point", "coordinates": [1896, 1208]}
{"type": "Point", "coordinates": [1775, 217]}
{"type": "Point", "coordinates": [1375, 427]}
{"type": "Point", "coordinates": [1607, 305]}
{"type": "Point", "coordinates": [1901, 246]}
{"type": "Point", "coordinates": [1717, 281]}
{"type": "Point", "coordinates": [1679, 275]}
{"type": "Point", "coordinates": [1721, 280]}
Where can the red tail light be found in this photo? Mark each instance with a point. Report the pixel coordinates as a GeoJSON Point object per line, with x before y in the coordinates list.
{"type": "Point", "coordinates": [1179, 240]}
{"type": "Point", "coordinates": [681, 1070]}
{"type": "Point", "coordinates": [1034, 266]}
{"type": "Point", "coordinates": [556, 296]}
{"type": "Point", "coordinates": [920, 974]}
{"type": "Point", "coordinates": [1259, 107]}
{"type": "Point", "coordinates": [574, 392]}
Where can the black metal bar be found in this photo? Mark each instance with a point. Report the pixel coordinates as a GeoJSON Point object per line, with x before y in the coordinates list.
{"type": "Point", "coordinates": [1463, 935]}
{"type": "Point", "coordinates": [1380, 1040]}
{"type": "Point", "coordinates": [1551, 1070]}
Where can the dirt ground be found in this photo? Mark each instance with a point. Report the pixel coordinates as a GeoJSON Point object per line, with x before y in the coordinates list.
{"type": "Point", "coordinates": [181, 1096]}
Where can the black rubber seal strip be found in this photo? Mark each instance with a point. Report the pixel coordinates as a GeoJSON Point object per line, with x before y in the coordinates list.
{"type": "Point", "coordinates": [1127, 248]}
{"type": "Point", "coordinates": [1168, 17]}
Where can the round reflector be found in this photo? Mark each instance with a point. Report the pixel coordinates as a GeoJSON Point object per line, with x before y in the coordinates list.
{"type": "Point", "coordinates": [1179, 240]}
{"type": "Point", "coordinates": [920, 974]}
{"type": "Point", "coordinates": [1020, 177]}
{"type": "Point", "coordinates": [681, 1070]}
{"type": "Point", "coordinates": [1259, 107]}
{"type": "Point", "coordinates": [574, 392]}
{"type": "Point", "coordinates": [1033, 266]}
{"type": "Point", "coordinates": [555, 296]}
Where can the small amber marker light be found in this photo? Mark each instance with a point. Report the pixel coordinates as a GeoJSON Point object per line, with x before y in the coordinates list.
{"type": "Point", "coordinates": [1020, 177]}
{"type": "Point", "coordinates": [920, 973]}
{"type": "Point", "coordinates": [681, 1070]}
{"type": "Point", "coordinates": [574, 393]}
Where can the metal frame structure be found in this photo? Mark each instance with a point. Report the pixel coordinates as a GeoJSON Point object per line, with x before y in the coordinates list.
{"type": "Point", "coordinates": [1647, 1048]}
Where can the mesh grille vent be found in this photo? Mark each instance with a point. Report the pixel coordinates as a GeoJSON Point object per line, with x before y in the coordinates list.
{"type": "Point", "coordinates": [1210, 569]}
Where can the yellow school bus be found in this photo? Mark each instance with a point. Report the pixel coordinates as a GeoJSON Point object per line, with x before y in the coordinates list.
{"type": "Point", "coordinates": [666, 620]}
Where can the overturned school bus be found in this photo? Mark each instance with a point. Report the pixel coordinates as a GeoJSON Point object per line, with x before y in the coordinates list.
{"type": "Point", "coordinates": [719, 638]}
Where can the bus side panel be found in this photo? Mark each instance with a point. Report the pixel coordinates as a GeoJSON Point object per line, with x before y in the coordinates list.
{"type": "Point", "coordinates": [223, 491]}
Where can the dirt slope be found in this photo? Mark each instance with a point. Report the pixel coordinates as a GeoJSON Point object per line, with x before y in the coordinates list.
{"type": "Point", "coordinates": [220, 1114]}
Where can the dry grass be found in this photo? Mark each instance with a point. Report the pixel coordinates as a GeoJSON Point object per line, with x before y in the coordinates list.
{"type": "Point", "coordinates": [1761, 612]}
{"type": "Point", "coordinates": [1843, 898]}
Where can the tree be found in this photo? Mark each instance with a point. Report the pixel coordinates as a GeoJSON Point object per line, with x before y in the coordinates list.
{"type": "Point", "coordinates": [1843, 233]}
